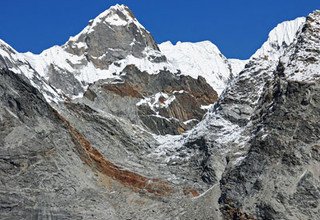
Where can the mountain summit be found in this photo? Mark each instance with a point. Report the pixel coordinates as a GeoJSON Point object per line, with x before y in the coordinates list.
{"type": "Point", "coordinates": [112, 36]}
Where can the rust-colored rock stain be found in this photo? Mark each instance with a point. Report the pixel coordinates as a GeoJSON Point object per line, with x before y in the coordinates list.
{"type": "Point", "coordinates": [96, 160]}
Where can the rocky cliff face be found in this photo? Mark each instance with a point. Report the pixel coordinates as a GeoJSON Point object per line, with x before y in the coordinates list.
{"type": "Point", "coordinates": [106, 127]}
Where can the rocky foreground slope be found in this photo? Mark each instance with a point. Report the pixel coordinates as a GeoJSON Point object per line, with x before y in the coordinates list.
{"type": "Point", "coordinates": [107, 127]}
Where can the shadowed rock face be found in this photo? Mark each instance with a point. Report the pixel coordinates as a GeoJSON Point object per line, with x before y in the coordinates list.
{"type": "Point", "coordinates": [161, 102]}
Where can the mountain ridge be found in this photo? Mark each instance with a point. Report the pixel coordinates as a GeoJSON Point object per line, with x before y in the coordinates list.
{"type": "Point", "coordinates": [151, 142]}
{"type": "Point", "coordinates": [93, 72]}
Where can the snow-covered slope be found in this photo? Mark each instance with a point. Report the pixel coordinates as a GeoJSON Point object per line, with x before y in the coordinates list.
{"type": "Point", "coordinates": [202, 59]}
{"type": "Point", "coordinates": [205, 59]}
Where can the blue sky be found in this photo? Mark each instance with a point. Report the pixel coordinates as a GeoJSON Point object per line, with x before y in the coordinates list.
{"type": "Point", "coordinates": [237, 27]}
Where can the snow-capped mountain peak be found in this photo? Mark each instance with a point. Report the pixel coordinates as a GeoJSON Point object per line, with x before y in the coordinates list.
{"type": "Point", "coordinates": [111, 36]}
{"type": "Point", "coordinates": [115, 39]}
{"type": "Point", "coordinates": [279, 38]}
{"type": "Point", "coordinates": [111, 41]}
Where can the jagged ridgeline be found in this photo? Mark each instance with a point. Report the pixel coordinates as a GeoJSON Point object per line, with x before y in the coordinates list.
{"type": "Point", "coordinates": [112, 125]}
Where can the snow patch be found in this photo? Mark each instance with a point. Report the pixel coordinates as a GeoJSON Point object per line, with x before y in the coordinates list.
{"type": "Point", "coordinates": [157, 101]}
